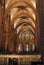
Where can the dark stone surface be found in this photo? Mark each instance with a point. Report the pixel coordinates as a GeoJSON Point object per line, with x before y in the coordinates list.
{"type": "Point", "coordinates": [41, 16]}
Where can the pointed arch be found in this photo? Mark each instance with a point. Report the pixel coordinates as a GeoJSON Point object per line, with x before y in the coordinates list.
{"type": "Point", "coordinates": [23, 23]}
{"type": "Point", "coordinates": [14, 4]}
{"type": "Point", "coordinates": [19, 13]}
{"type": "Point", "coordinates": [16, 23]}
{"type": "Point", "coordinates": [28, 27]}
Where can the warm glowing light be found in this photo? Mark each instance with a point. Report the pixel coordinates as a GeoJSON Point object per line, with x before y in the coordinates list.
{"type": "Point", "coordinates": [13, 11]}
{"type": "Point", "coordinates": [34, 16]}
{"type": "Point", "coordinates": [19, 28]}
{"type": "Point", "coordinates": [34, 3]}
{"type": "Point", "coordinates": [19, 47]}
{"type": "Point", "coordinates": [27, 47]}
{"type": "Point", "coordinates": [25, 27]}
{"type": "Point", "coordinates": [31, 13]}
{"type": "Point", "coordinates": [28, 21]}
{"type": "Point", "coordinates": [7, 2]}
{"type": "Point", "coordinates": [32, 22]}
{"type": "Point", "coordinates": [33, 47]}
{"type": "Point", "coordinates": [15, 23]}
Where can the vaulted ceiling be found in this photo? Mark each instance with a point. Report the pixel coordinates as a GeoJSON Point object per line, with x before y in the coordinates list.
{"type": "Point", "coordinates": [24, 10]}
{"type": "Point", "coordinates": [23, 17]}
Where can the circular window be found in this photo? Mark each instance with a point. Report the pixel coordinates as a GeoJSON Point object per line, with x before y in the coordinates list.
{"type": "Point", "coordinates": [26, 35]}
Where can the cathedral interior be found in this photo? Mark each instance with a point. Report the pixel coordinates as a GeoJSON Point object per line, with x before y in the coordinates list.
{"type": "Point", "coordinates": [21, 32]}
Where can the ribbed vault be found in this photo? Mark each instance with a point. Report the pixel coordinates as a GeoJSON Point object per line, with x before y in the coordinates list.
{"type": "Point", "coordinates": [21, 17]}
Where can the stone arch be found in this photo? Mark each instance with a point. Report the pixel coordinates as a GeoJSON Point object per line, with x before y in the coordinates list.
{"type": "Point", "coordinates": [19, 14]}
{"type": "Point", "coordinates": [23, 23]}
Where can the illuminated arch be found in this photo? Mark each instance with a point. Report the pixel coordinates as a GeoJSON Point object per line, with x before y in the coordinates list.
{"type": "Point", "coordinates": [12, 3]}
{"type": "Point", "coordinates": [19, 21]}
{"type": "Point", "coordinates": [23, 23]}
{"type": "Point", "coordinates": [28, 27]}
{"type": "Point", "coordinates": [19, 13]}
